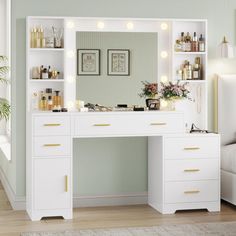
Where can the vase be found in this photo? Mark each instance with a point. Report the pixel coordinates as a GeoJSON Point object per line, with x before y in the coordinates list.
{"type": "Point", "coordinates": [168, 105]}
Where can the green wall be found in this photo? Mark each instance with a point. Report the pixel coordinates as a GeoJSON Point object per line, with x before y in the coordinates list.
{"type": "Point", "coordinates": [221, 19]}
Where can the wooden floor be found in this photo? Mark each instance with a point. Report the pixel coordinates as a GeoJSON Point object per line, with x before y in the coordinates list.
{"type": "Point", "coordinates": [12, 223]}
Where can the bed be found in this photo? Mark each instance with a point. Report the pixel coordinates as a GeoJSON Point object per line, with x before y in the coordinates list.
{"type": "Point", "coordinates": [227, 129]}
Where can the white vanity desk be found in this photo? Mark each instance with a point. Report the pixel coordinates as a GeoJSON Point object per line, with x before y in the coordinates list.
{"type": "Point", "coordinates": [183, 170]}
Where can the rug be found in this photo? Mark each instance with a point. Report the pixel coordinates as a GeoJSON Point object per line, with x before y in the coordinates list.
{"type": "Point", "coordinates": [205, 229]}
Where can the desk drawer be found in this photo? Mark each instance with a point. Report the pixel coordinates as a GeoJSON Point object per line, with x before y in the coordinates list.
{"type": "Point", "coordinates": [192, 191]}
{"type": "Point", "coordinates": [51, 125]}
{"type": "Point", "coordinates": [191, 147]}
{"type": "Point", "coordinates": [52, 146]}
{"type": "Point", "coordinates": [141, 124]}
{"type": "Point", "coordinates": [187, 170]}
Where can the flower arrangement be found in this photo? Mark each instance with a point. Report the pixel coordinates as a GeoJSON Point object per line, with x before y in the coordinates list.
{"type": "Point", "coordinates": [172, 91]}
{"type": "Point", "coordinates": [149, 90]}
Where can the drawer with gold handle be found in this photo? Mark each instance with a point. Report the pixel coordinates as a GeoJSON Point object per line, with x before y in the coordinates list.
{"type": "Point", "coordinates": [192, 146]}
{"type": "Point", "coordinates": [191, 191]}
{"type": "Point", "coordinates": [192, 169]}
{"type": "Point", "coordinates": [52, 146]}
{"type": "Point", "coordinates": [51, 125]}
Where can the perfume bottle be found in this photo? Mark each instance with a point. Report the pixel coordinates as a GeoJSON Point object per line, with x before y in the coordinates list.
{"type": "Point", "coordinates": [35, 102]}
{"type": "Point", "coordinates": [194, 43]}
{"type": "Point", "coordinates": [182, 42]}
{"type": "Point", "coordinates": [57, 100]}
{"type": "Point", "coordinates": [50, 103]}
{"type": "Point", "coordinates": [43, 103]}
{"type": "Point", "coordinates": [188, 43]}
{"type": "Point", "coordinates": [201, 44]}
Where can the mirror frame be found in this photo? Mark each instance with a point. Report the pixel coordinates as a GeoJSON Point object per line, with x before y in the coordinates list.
{"type": "Point", "coordinates": [73, 25]}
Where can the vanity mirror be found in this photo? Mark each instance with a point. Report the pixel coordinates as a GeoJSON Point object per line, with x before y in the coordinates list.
{"type": "Point", "coordinates": [110, 89]}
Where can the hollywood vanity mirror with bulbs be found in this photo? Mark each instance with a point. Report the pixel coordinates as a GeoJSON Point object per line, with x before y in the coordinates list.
{"type": "Point", "coordinates": [50, 135]}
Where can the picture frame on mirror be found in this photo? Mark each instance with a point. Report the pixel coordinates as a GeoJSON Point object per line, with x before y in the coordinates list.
{"type": "Point", "coordinates": [118, 62]}
{"type": "Point", "coordinates": [88, 62]}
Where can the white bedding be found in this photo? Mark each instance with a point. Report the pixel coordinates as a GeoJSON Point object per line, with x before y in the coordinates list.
{"type": "Point", "coordinates": [228, 158]}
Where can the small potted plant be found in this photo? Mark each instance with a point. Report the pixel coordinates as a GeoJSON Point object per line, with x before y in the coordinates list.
{"type": "Point", "coordinates": [150, 92]}
{"type": "Point", "coordinates": [170, 92]}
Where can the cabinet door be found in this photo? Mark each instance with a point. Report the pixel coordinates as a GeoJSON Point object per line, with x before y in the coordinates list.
{"type": "Point", "coordinates": [52, 184]}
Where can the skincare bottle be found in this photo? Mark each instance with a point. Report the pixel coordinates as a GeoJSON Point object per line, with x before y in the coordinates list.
{"type": "Point", "coordinates": [37, 39]}
{"type": "Point", "coordinates": [201, 44]}
{"type": "Point", "coordinates": [182, 42]}
{"type": "Point", "coordinates": [194, 43]}
{"type": "Point", "coordinates": [41, 72]}
{"type": "Point", "coordinates": [49, 72]}
{"type": "Point", "coordinates": [35, 102]}
{"type": "Point", "coordinates": [43, 104]}
{"type": "Point", "coordinates": [196, 72]}
{"type": "Point", "coordinates": [57, 99]}
{"type": "Point", "coordinates": [45, 73]}
{"type": "Point", "coordinates": [41, 36]}
{"type": "Point", "coordinates": [50, 103]}
{"type": "Point", "coordinates": [32, 38]}
{"type": "Point", "coordinates": [178, 47]}
{"type": "Point", "coordinates": [188, 43]}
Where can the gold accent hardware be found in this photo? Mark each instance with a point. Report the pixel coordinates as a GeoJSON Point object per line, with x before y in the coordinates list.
{"type": "Point", "coordinates": [158, 123]}
{"type": "Point", "coordinates": [52, 124]}
{"type": "Point", "coordinates": [192, 192]}
{"type": "Point", "coordinates": [52, 145]}
{"type": "Point", "coordinates": [101, 125]}
{"type": "Point", "coordinates": [191, 170]}
{"type": "Point", "coordinates": [191, 148]}
{"type": "Point", "coordinates": [66, 183]}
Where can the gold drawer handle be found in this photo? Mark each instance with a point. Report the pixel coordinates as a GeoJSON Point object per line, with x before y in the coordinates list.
{"type": "Point", "coordinates": [191, 170]}
{"type": "Point", "coordinates": [66, 183]}
{"type": "Point", "coordinates": [101, 125]}
{"type": "Point", "coordinates": [52, 124]}
{"type": "Point", "coordinates": [192, 192]}
{"type": "Point", "coordinates": [191, 148]}
{"type": "Point", "coordinates": [158, 123]}
{"type": "Point", "coordinates": [52, 145]}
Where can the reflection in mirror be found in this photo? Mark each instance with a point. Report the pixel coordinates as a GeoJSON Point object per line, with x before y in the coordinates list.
{"type": "Point", "coordinates": [110, 90]}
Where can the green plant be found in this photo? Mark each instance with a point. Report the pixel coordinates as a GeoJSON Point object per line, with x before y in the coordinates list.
{"type": "Point", "coordinates": [5, 108]}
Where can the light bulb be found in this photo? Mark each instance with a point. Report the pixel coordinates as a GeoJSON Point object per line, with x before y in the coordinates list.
{"type": "Point", "coordinates": [70, 54]}
{"type": "Point", "coordinates": [71, 79]}
{"type": "Point", "coordinates": [70, 24]}
{"type": "Point", "coordinates": [164, 79]}
{"type": "Point", "coordinates": [164, 54]}
{"type": "Point", "coordinates": [130, 25]}
{"type": "Point", "coordinates": [100, 25]}
{"type": "Point", "coordinates": [164, 26]}
{"type": "Point", "coordinates": [70, 105]}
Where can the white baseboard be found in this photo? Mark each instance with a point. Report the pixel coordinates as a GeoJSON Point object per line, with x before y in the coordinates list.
{"type": "Point", "coordinates": [110, 200]}
{"type": "Point", "coordinates": [17, 203]}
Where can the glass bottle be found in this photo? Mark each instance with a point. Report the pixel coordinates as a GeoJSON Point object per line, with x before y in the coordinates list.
{"type": "Point", "coordinates": [178, 47]}
{"type": "Point", "coordinates": [196, 72]}
{"type": "Point", "coordinates": [43, 103]}
{"type": "Point", "coordinates": [188, 43]}
{"type": "Point", "coordinates": [201, 44]}
{"type": "Point", "coordinates": [182, 42]}
{"type": "Point", "coordinates": [45, 73]}
{"type": "Point", "coordinates": [57, 101]}
{"type": "Point", "coordinates": [49, 72]}
{"type": "Point", "coordinates": [35, 102]}
{"type": "Point", "coordinates": [32, 38]}
{"type": "Point", "coordinates": [50, 103]}
{"type": "Point", "coordinates": [194, 43]}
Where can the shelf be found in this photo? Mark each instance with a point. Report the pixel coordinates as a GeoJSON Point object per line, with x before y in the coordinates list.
{"type": "Point", "coordinates": [46, 49]}
{"type": "Point", "coordinates": [190, 53]}
{"type": "Point", "coordinates": [46, 80]}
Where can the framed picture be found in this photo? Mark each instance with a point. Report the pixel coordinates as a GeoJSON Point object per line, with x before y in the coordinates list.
{"type": "Point", "coordinates": [118, 62]}
{"type": "Point", "coordinates": [88, 62]}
